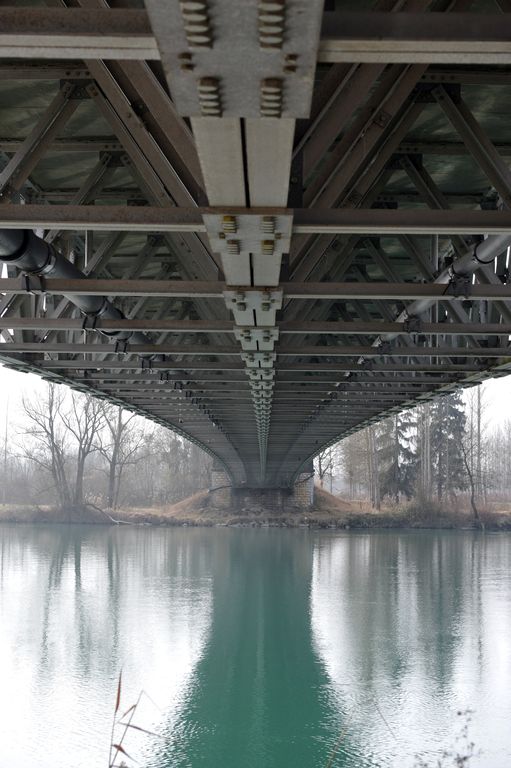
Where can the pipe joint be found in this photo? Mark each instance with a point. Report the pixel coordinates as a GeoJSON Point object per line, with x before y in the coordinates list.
{"type": "Point", "coordinates": [24, 250]}
{"type": "Point", "coordinates": [100, 311]}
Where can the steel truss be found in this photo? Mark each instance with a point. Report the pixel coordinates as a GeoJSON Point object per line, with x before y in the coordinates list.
{"type": "Point", "coordinates": [299, 221]}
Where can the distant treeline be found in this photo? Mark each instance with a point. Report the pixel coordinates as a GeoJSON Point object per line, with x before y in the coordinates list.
{"type": "Point", "coordinates": [431, 452]}
{"type": "Point", "coordinates": [69, 449]}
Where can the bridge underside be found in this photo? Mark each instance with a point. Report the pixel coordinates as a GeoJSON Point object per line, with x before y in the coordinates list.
{"type": "Point", "coordinates": [262, 224]}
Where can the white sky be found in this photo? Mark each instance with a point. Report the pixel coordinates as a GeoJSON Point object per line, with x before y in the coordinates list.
{"type": "Point", "coordinates": [14, 385]}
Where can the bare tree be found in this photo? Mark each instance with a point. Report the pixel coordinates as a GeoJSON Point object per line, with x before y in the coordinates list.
{"type": "Point", "coordinates": [354, 463]}
{"type": "Point", "coordinates": [83, 420]}
{"type": "Point", "coordinates": [119, 445]}
{"type": "Point", "coordinates": [476, 439]}
{"type": "Point", "coordinates": [470, 474]}
{"type": "Point", "coordinates": [424, 478]}
{"type": "Point", "coordinates": [373, 467]}
{"type": "Point", "coordinates": [62, 431]}
{"type": "Point", "coordinates": [327, 465]}
{"type": "Point", "coordinates": [49, 442]}
{"type": "Point", "coordinates": [324, 466]}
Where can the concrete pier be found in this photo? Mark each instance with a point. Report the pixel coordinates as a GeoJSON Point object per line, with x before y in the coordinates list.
{"type": "Point", "coordinates": [299, 497]}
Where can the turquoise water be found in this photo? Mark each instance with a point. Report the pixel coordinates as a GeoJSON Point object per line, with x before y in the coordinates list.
{"type": "Point", "coordinates": [255, 647]}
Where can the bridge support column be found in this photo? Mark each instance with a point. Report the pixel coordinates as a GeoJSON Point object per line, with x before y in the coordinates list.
{"type": "Point", "coordinates": [257, 500]}
{"type": "Point", "coordinates": [220, 487]}
{"type": "Point", "coordinates": [303, 489]}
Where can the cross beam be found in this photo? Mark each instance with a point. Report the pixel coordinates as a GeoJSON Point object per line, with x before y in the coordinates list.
{"type": "Point", "coordinates": [353, 291]}
{"type": "Point", "coordinates": [100, 33]}
{"type": "Point", "coordinates": [306, 221]}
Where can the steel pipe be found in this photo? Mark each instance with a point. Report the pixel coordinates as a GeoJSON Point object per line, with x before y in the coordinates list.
{"type": "Point", "coordinates": [31, 254]}
{"type": "Point", "coordinates": [484, 253]}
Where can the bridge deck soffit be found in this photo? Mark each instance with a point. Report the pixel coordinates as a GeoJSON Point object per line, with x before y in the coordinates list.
{"type": "Point", "coordinates": [261, 224]}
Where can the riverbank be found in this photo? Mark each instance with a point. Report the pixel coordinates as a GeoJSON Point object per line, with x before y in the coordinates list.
{"type": "Point", "coordinates": [329, 512]}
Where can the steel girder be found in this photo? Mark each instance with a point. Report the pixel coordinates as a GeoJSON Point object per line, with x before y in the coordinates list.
{"type": "Point", "coordinates": [212, 219]}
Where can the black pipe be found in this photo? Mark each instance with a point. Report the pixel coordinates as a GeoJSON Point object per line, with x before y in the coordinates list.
{"type": "Point", "coordinates": [30, 253]}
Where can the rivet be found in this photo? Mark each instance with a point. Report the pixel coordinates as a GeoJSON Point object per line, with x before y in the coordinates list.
{"type": "Point", "coordinates": [209, 97]}
{"type": "Point", "coordinates": [196, 23]}
{"type": "Point", "coordinates": [185, 61]}
{"type": "Point", "coordinates": [229, 224]}
{"type": "Point", "coordinates": [268, 225]}
{"type": "Point", "coordinates": [268, 247]}
{"type": "Point", "coordinates": [271, 19]}
{"type": "Point", "coordinates": [271, 97]}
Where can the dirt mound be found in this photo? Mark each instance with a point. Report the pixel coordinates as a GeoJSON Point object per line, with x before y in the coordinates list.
{"type": "Point", "coordinates": [327, 502]}
{"type": "Point", "coordinates": [202, 509]}
{"type": "Point", "coordinates": [192, 505]}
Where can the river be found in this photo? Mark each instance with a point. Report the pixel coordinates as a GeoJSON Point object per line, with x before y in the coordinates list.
{"type": "Point", "coordinates": [255, 647]}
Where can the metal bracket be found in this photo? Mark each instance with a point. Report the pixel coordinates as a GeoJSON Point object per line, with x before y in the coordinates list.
{"type": "Point", "coordinates": [412, 324]}
{"type": "Point", "coordinates": [76, 89]}
{"type": "Point", "coordinates": [146, 363]}
{"type": "Point", "coordinates": [260, 374]}
{"type": "Point", "coordinates": [354, 197]}
{"type": "Point", "coordinates": [259, 359]}
{"type": "Point", "coordinates": [121, 347]}
{"type": "Point", "coordinates": [245, 302]}
{"type": "Point", "coordinates": [36, 289]}
{"type": "Point", "coordinates": [226, 60]}
{"type": "Point", "coordinates": [89, 322]}
{"type": "Point", "coordinates": [381, 119]}
{"type": "Point", "coordinates": [459, 285]}
{"type": "Point", "coordinates": [250, 245]}
{"type": "Point", "coordinates": [8, 191]}
{"type": "Point", "coordinates": [256, 339]}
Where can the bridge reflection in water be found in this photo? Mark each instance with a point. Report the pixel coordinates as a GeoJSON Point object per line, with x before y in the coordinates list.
{"type": "Point", "coordinates": [259, 647]}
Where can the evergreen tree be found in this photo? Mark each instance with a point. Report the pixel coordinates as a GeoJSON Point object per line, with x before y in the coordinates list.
{"type": "Point", "coordinates": [447, 432]}
{"type": "Point", "coordinates": [397, 458]}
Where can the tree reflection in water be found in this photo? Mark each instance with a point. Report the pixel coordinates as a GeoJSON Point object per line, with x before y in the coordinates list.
{"type": "Point", "coordinates": [260, 647]}
{"type": "Point", "coordinates": [408, 626]}
{"type": "Point", "coordinates": [77, 604]}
